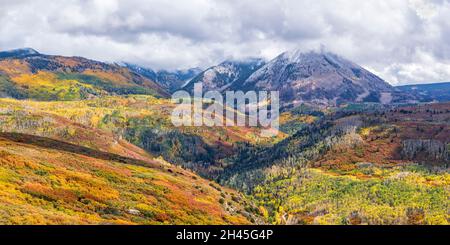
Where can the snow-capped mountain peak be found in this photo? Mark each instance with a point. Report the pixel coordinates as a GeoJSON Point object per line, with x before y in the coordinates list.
{"type": "Point", "coordinates": [318, 77]}
{"type": "Point", "coordinates": [227, 73]}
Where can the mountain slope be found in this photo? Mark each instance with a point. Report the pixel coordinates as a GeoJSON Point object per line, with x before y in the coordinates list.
{"type": "Point", "coordinates": [389, 136]}
{"type": "Point", "coordinates": [57, 171]}
{"type": "Point", "coordinates": [140, 119]}
{"type": "Point", "coordinates": [29, 74]}
{"type": "Point", "coordinates": [222, 76]}
{"type": "Point", "coordinates": [44, 181]}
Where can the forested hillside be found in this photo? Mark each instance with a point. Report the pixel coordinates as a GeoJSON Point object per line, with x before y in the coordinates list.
{"type": "Point", "coordinates": [356, 165]}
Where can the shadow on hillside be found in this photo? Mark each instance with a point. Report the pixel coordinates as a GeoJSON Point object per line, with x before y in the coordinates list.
{"type": "Point", "coordinates": [71, 148]}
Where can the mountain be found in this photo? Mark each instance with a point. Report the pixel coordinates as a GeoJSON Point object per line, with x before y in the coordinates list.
{"type": "Point", "coordinates": [170, 80]}
{"type": "Point", "coordinates": [427, 92]}
{"type": "Point", "coordinates": [320, 78]}
{"type": "Point", "coordinates": [315, 78]}
{"type": "Point", "coordinates": [27, 74]}
{"type": "Point", "coordinates": [222, 76]}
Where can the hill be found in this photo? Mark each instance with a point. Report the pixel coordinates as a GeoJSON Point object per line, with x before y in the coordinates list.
{"type": "Point", "coordinates": [67, 162]}
{"type": "Point", "coordinates": [44, 181]}
{"type": "Point", "coordinates": [140, 119]}
{"type": "Point", "coordinates": [29, 74]}
{"type": "Point", "coordinates": [359, 164]}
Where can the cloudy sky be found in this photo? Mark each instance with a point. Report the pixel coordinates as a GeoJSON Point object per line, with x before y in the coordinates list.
{"type": "Point", "coordinates": [403, 41]}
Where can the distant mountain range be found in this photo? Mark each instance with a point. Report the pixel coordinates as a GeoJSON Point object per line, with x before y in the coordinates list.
{"type": "Point", "coordinates": [25, 73]}
{"type": "Point", "coordinates": [317, 78]}
{"type": "Point", "coordinates": [313, 77]}
{"type": "Point", "coordinates": [170, 80]}
{"type": "Point", "coordinates": [428, 92]}
{"type": "Point", "coordinates": [89, 142]}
